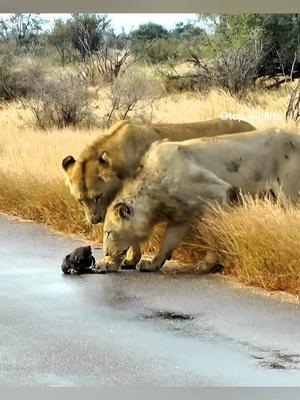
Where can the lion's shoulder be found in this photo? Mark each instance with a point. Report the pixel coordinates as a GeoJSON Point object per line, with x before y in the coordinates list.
{"type": "Point", "coordinates": [123, 135]}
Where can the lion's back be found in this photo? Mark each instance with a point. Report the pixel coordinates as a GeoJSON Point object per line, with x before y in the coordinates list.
{"type": "Point", "coordinates": [209, 128]}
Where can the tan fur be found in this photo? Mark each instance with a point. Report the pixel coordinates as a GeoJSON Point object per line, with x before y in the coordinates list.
{"type": "Point", "coordinates": [253, 161]}
{"type": "Point", "coordinates": [171, 186]}
{"type": "Point", "coordinates": [177, 178]}
{"type": "Point", "coordinates": [123, 146]}
{"type": "Point", "coordinates": [98, 174]}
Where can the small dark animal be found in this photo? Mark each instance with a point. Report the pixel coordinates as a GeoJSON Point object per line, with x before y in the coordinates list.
{"type": "Point", "coordinates": [80, 261]}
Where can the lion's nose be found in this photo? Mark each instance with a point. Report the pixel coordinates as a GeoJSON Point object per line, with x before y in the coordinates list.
{"type": "Point", "coordinates": [96, 220]}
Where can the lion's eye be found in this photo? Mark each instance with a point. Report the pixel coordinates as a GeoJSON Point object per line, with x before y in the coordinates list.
{"type": "Point", "coordinates": [97, 198]}
{"type": "Point", "coordinates": [108, 233]}
{"type": "Point", "coordinates": [80, 202]}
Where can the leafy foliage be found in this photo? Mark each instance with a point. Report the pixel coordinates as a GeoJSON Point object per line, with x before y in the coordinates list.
{"type": "Point", "coordinates": [18, 76]}
{"type": "Point", "coordinates": [61, 102]}
{"type": "Point", "coordinates": [23, 29]}
{"type": "Point", "coordinates": [279, 34]}
{"type": "Point", "coordinates": [149, 31]}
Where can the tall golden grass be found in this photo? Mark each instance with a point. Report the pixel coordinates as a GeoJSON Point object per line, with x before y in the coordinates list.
{"type": "Point", "coordinates": [31, 181]}
{"type": "Point", "coordinates": [258, 242]}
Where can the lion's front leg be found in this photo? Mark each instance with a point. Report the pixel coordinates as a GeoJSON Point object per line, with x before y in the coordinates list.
{"type": "Point", "coordinates": [132, 258]}
{"type": "Point", "coordinates": [107, 264]}
{"type": "Point", "coordinates": [172, 236]}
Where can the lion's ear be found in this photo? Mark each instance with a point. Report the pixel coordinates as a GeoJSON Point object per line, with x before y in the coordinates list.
{"type": "Point", "coordinates": [68, 162]}
{"type": "Point", "coordinates": [123, 210]}
{"type": "Point", "coordinates": [104, 159]}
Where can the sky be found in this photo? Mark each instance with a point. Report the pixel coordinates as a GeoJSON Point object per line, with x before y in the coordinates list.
{"type": "Point", "coordinates": [132, 21]}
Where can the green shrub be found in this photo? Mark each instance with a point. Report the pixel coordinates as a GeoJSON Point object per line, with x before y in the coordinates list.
{"type": "Point", "coordinates": [19, 76]}
{"type": "Point", "coordinates": [162, 50]}
{"type": "Point", "coordinates": [61, 102]}
{"type": "Point", "coordinates": [132, 92]}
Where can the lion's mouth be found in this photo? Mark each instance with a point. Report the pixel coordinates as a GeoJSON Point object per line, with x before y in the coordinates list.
{"type": "Point", "coordinates": [96, 220]}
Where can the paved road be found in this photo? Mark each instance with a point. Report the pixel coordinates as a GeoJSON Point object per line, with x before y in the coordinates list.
{"type": "Point", "coordinates": [133, 328]}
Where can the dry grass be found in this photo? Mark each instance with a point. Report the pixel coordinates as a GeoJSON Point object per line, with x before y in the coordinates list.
{"type": "Point", "coordinates": [258, 243]}
{"type": "Point", "coordinates": [31, 182]}
{"type": "Point", "coordinates": [196, 107]}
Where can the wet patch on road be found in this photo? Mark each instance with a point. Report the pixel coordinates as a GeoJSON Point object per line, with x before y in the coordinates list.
{"type": "Point", "coordinates": [271, 365]}
{"type": "Point", "coordinates": [180, 324]}
{"type": "Point", "coordinates": [168, 315]}
{"type": "Point", "coordinates": [119, 301]}
{"type": "Point", "coordinates": [277, 360]}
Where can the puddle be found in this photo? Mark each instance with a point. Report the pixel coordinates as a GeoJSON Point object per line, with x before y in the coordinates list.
{"type": "Point", "coordinates": [168, 316]}
{"type": "Point", "coordinates": [119, 302]}
{"type": "Point", "coordinates": [271, 365]}
{"type": "Point", "coordinates": [277, 360]}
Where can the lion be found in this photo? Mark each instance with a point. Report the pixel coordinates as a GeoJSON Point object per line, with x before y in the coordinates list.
{"type": "Point", "coordinates": [98, 174]}
{"type": "Point", "coordinates": [177, 179]}
{"type": "Point", "coordinates": [171, 186]}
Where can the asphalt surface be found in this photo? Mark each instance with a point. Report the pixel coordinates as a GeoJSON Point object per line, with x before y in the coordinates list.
{"type": "Point", "coordinates": [131, 328]}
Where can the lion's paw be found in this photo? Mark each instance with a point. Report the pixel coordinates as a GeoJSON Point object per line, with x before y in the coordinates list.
{"type": "Point", "coordinates": [146, 265]}
{"type": "Point", "coordinates": [128, 264]}
{"type": "Point", "coordinates": [106, 264]}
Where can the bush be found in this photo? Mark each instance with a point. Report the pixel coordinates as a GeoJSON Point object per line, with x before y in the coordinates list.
{"type": "Point", "coordinates": [234, 69]}
{"type": "Point", "coordinates": [105, 65]}
{"type": "Point", "coordinates": [174, 81]}
{"type": "Point", "coordinates": [237, 70]}
{"type": "Point", "coordinates": [131, 92]}
{"type": "Point", "coordinates": [185, 83]}
{"type": "Point", "coordinates": [62, 102]}
{"type": "Point", "coordinates": [161, 50]}
{"type": "Point", "coordinates": [18, 76]}
{"type": "Point", "coordinates": [293, 110]}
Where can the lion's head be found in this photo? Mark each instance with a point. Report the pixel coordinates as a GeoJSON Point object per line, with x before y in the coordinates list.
{"type": "Point", "coordinates": [98, 174]}
{"type": "Point", "coordinates": [124, 226]}
{"type": "Point", "coordinates": [93, 183]}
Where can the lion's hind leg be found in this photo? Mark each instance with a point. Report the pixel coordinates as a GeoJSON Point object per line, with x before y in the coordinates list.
{"type": "Point", "coordinates": [210, 263]}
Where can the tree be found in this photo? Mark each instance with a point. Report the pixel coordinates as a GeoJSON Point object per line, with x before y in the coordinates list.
{"type": "Point", "coordinates": [164, 50]}
{"type": "Point", "coordinates": [282, 35]}
{"type": "Point", "coordinates": [279, 34]}
{"type": "Point", "coordinates": [24, 29]}
{"type": "Point", "coordinates": [188, 32]}
{"type": "Point", "coordinates": [87, 32]}
{"type": "Point", "coordinates": [60, 38]}
{"type": "Point", "coordinates": [4, 30]}
{"type": "Point", "coordinates": [107, 63]}
{"type": "Point", "coordinates": [146, 37]}
{"type": "Point", "coordinates": [149, 31]}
